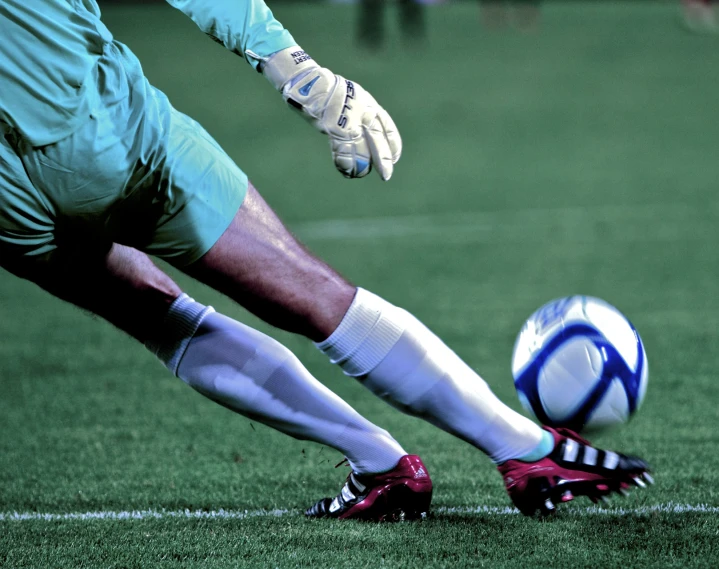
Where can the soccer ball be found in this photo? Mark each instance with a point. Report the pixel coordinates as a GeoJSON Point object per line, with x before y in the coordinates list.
{"type": "Point", "coordinates": [579, 363]}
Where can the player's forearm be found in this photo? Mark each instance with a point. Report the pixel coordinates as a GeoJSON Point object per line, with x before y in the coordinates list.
{"type": "Point", "coordinates": [245, 27]}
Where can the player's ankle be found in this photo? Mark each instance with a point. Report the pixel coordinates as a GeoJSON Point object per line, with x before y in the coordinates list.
{"type": "Point", "coordinates": [545, 446]}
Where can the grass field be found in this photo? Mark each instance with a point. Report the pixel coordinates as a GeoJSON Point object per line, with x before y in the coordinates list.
{"type": "Point", "coordinates": [579, 159]}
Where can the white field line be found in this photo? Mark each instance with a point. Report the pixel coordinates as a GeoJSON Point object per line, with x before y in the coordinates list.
{"type": "Point", "coordinates": [669, 508]}
{"type": "Point", "coordinates": [623, 223]}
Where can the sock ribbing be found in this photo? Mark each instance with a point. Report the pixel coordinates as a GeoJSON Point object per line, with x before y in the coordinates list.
{"type": "Point", "coordinates": [364, 337]}
{"type": "Point", "coordinates": [181, 322]}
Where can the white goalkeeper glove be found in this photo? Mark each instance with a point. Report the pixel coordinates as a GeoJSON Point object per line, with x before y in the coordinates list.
{"type": "Point", "coordinates": [362, 135]}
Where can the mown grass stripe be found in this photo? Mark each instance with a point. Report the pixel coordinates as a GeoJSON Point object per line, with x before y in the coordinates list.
{"type": "Point", "coordinates": [631, 222]}
{"type": "Point", "coordinates": [668, 508]}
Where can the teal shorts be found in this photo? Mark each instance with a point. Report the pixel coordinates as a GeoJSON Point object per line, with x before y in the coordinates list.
{"type": "Point", "coordinates": [137, 172]}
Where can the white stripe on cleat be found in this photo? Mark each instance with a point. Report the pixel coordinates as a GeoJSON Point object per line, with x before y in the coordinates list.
{"type": "Point", "coordinates": [571, 450]}
{"type": "Point", "coordinates": [611, 460]}
{"type": "Point", "coordinates": [590, 456]}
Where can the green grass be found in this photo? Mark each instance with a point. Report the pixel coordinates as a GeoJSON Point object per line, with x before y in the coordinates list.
{"type": "Point", "coordinates": [580, 159]}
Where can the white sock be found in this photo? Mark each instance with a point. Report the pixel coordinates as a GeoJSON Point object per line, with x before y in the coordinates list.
{"type": "Point", "coordinates": [254, 375]}
{"type": "Point", "coordinates": [399, 359]}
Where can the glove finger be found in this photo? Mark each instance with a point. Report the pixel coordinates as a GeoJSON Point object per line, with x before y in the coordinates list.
{"type": "Point", "coordinates": [392, 134]}
{"type": "Point", "coordinates": [351, 159]}
{"type": "Point", "coordinates": [379, 148]}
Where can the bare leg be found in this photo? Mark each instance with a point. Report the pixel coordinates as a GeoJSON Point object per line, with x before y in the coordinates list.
{"type": "Point", "coordinates": [230, 363]}
{"type": "Point", "coordinates": [494, 14]}
{"type": "Point", "coordinates": [699, 15]}
{"type": "Point", "coordinates": [370, 24]}
{"type": "Point", "coordinates": [260, 265]}
{"type": "Point", "coordinates": [526, 14]}
{"type": "Point", "coordinates": [412, 21]}
{"type": "Point", "coordinates": [118, 283]}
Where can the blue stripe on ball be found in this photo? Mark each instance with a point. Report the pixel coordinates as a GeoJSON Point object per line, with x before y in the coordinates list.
{"type": "Point", "coordinates": [614, 366]}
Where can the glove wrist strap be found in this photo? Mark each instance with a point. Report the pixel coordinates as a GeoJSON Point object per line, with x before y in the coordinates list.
{"type": "Point", "coordinates": [281, 67]}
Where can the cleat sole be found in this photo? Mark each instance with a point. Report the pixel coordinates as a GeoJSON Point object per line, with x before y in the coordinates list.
{"type": "Point", "coordinates": [403, 493]}
{"type": "Point", "coordinates": [399, 503]}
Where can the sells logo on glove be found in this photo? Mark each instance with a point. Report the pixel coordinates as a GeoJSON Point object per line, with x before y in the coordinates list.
{"type": "Point", "coordinates": [342, 121]}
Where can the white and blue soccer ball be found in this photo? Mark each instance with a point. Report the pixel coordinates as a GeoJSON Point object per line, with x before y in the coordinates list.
{"type": "Point", "coordinates": [579, 363]}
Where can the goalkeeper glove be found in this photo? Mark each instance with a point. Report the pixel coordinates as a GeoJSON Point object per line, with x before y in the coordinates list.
{"type": "Point", "coordinates": [361, 133]}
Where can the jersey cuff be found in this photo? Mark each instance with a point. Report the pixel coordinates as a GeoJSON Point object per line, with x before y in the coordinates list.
{"type": "Point", "coordinates": [256, 56]}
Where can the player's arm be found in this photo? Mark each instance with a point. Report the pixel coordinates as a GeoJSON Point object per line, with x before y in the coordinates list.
{"type": "Point", "coordinates": [361, 133]}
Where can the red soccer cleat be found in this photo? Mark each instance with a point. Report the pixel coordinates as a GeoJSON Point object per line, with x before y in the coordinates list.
{"type": "Point", "coordinates": [573, 468]}
{"type": "Point", "coordinates": [403, 493]}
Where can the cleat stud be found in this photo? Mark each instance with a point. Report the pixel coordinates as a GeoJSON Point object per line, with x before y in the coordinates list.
{"type": "Point", "coordinates": [624, 492]}
{"type": "Point", "coordinates": [567, 496]}
{"type": "Point", "coordinates": [639, 482]}
{"type": "Point", "coordinates": [604, 499]}
{"type": "Point", "coordinates": [602, 487]}
{"type": "Point", "coordinates": [648, 478]}
{"type": "Point", "coordinates": [548, 505]}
